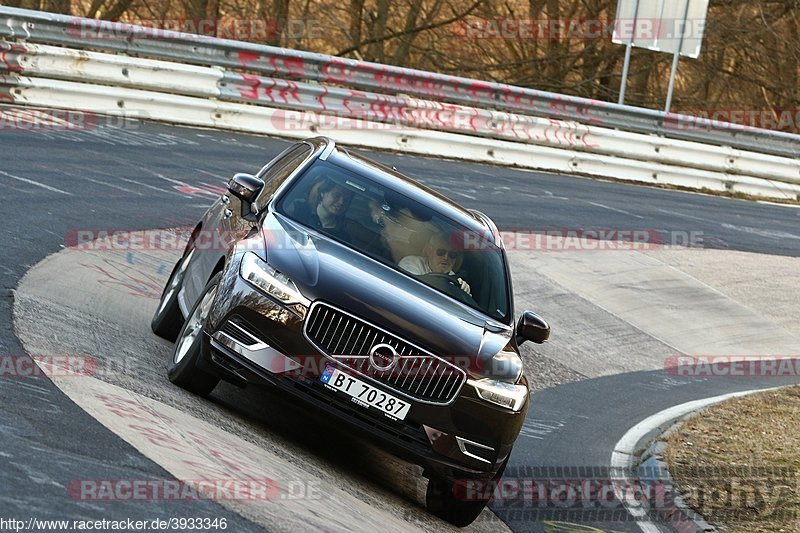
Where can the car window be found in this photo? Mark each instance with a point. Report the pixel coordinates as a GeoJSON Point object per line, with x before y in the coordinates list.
{"type": "Point", "coordinates": [403, 233]}
{"type": "Point", "coordinates": [276, 172]}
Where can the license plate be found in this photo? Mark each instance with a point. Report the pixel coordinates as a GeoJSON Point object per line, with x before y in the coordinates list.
{"type": "Point", "coordinates": [365, 394]}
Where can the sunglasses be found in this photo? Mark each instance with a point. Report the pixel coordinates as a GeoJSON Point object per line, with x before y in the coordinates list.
{"type": "Point", "coordinates": [450, 253]}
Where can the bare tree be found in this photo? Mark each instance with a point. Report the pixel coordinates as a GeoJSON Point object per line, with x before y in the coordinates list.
{"type": "Point", "coordinates": [749, 59]}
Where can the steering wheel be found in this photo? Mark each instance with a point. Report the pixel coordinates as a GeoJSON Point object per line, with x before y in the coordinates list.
{"type": "Point", "coordinates": [448, 283]}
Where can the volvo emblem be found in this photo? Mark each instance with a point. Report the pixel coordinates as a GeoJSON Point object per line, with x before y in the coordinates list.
{"type": "Point", "coordinates": [383, 357]}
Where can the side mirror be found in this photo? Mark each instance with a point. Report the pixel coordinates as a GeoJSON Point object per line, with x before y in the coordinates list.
{"type": "Point", "coordinates": [245, 187]}
{"type": "Point", "coordinates": [532, 327]}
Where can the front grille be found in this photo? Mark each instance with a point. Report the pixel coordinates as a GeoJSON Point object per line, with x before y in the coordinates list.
{"type": "Point", "coordinates": [349, 339]}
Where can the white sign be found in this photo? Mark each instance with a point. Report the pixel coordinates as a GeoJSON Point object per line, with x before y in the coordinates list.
{"type": "Point", "coordinates": [662, 25]}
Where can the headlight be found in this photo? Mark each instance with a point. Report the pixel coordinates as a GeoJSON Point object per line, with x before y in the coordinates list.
{"type": "Point", "coordinates": [262, 276]}
{"type": "Point", "coordinates": [500, 393]}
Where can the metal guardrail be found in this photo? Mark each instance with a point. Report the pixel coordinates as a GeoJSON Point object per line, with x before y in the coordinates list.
{"type": "Point", "coordinates": [76, 32]}
{"type": "Point", "coordinates": [31, 65]}
{"type": "Point", "coordinates": [97, 84]}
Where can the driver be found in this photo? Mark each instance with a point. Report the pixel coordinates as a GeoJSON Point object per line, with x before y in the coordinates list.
{"type": "Point", "coordinates": [437, 257]}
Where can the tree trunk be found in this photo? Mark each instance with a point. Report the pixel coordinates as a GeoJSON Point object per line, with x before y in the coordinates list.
{"type": "Point", "coordinates": [117, 10]}
{"type": "Point", "coordinates": [535, 12]}
{"type": "Point", "coordinates": [356, 14]}
{"type": "Point", "coordinates": [279, 20]}
{"type": "Point", "coordinates": [553, 70]}
{"type": "Point", "coordinates": [639, 90]}
{"type": "Point", "coordinates": [94, 8]}
{"type": "Point", "coordinates": [401, 53]}
{"type": "Point", "coordinates": [57, 6]}
{"type": "Point", "coordinates": [197, 9]}
{"type": "Point", "coordinates": [377, 29]}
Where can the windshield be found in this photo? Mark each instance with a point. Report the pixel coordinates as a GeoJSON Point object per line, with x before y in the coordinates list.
{"type": "Point", "coordinates": [403, 233]}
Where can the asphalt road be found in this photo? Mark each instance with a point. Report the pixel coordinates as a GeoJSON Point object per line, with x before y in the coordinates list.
{"type": "Point", "coordinates": [575, 429]}
{"type": "Point", "coordinates": [158, 176]}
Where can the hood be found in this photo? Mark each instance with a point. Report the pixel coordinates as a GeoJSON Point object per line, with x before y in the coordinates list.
{"type": "Point", "coordinates": [328, 271]}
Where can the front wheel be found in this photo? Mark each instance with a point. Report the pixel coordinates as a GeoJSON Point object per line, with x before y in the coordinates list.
{"type": "Point", "coordinates": [183, 370]}
{"type": "Point", "coordinates": [460, 502]}
{"type": "Point", "coordinates": [168, 319]}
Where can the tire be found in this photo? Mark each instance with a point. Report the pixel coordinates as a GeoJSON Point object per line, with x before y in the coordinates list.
{"type": "Point", "coordinates": [448, 500]}
{"type": "Point", "coordinates": [168, 319]}
{"type": "Point", "coordinates": [183, 370]}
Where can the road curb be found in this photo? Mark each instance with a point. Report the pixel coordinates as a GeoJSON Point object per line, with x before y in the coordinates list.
{"type": "Point", "coordinates": [640, 445]}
